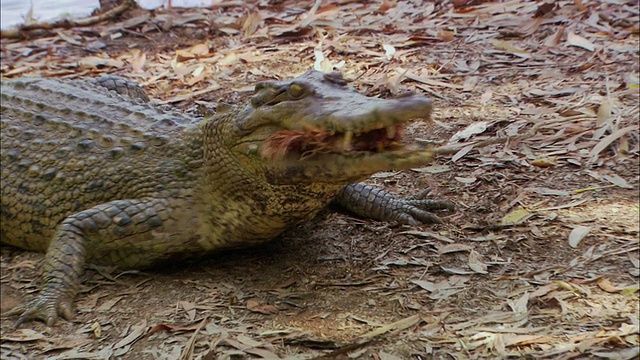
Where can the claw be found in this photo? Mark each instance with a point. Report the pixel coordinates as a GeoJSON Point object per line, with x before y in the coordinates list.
{"type": "Point", "coordinates": [42, 308]}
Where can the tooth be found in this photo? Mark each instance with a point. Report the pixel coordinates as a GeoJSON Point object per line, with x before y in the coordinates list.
{"type": "Point", "coordinates": [348, 137]}
{"type": "Point", "coordinates": [391, 132]}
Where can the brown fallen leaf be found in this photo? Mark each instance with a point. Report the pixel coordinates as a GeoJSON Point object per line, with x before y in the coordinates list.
{"type": "Point", "coordinates": [446, 35]}
{"type": "Point", "coordinates": [96, 62]}
{"type": "Point", "coordinates": [395, 326]}
{"type": "Point", "coordinates": [607, 286]}
{"type": "Point", "coordinates": [451, 248]}
{"type": "Point", "coordinates": [257, 307]}
{"type": "Point", "coordinates": [137, 331]}
{"type": "Point", "coordinates": [171, 328]}
{"type": "Point", "coordinates": [546, 161]}
{"type": "Point", "coordinates": [510, 48]}
{"type": "Point", "coordinates": [138, 61]}
{"type": "Point", "coordinates": [23, 335]}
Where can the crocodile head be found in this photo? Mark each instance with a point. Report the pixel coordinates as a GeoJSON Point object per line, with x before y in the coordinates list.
{"type": "Point", "coordinates": [315, 129]}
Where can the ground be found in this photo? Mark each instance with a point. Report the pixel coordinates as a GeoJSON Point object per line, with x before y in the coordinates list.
{"type": "Point", "coordinates": [540, 260]}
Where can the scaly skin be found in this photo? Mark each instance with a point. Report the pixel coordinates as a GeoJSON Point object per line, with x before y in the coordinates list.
{"type": "Point", "coordinates": [89, 175]}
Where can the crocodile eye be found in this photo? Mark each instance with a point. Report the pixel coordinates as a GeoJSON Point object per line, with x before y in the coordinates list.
{"type": "Point", "coordinates": [296, 91]}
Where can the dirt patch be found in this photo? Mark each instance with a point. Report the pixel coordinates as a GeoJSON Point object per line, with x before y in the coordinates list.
{"type": "Point", "coordinates": [540, 260]}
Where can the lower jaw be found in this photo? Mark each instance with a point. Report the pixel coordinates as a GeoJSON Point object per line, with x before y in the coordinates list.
{"type": "Point", "coordinates": [345, 168]}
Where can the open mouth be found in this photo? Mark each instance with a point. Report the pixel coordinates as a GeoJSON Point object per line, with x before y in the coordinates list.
{"type": "Point", "coordinates": [305, 144]}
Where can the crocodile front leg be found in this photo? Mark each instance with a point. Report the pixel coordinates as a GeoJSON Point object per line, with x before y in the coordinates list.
{"type": "Point", "coordinates": [126, 233]}
{"type": "Point", "coordinates": [370, 202]}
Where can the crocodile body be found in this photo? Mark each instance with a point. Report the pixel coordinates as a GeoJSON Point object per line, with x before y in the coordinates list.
{"type": "Point", "coordinates": [91, 175]}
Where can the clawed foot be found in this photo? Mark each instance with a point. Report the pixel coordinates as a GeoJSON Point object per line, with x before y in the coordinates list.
{"type": "Point", "coordinates": [44, 308]}
{"type": "Point", "coordinates": [416, 212]}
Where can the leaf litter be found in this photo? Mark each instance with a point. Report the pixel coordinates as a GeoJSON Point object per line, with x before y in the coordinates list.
{"type": "Point", "coordinates": [540, 101]}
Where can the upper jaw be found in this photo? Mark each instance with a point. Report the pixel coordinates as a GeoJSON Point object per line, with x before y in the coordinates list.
{"type": "Point", "coordinates": [360, 124]}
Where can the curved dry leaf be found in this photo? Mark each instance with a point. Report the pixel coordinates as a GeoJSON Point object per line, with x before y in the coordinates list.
{"type": "Point", "coordinates": [579, 41]}
{"type": "Point", "coordinates": [389, 51]}
{"type": "Point", "coordinates": [469, 180]}
{"type": "Point", "coordinates": [94, 62]}
{"type": "Point", "coordinates": [554, 39]}
{"type": "Point", "coordinates": [607, 140]}
{"type": "Point", "coordinates": [257, 307]}
{"type": "Point", "coordinates": [510, 48]}
{"type": "Point", "coordinates": [228, 59]}
{"type": "Point", "coordinates": [137, 331]}
{"type": "Point", "coordinates": [395, 326]}
{"type": "Point", "coordinates": [577, 234]}
{"type": "Point", "coordinates": [515, 217]}
{"type": "Point", "coordinates": [199, 49]}
{"type": "Point", "coordinates": [546, 161]}
{"type": "Point", "coordinates": [251, 24]}
{"type": "Point", "coordinates": [473, 129]}
{"type": "Point", "coordinates": [450, 248]}
{"type": "Point", "coordinates": [476, 262]}
{"type": "Point", "coordinates": [519, 306]}
{"type": "Point", "coordinates": [23, 335]}
{"type": "Point", "coordinates": [616, 180]}
{"type": "Point", "coordinates": [446, 35]}
{"type": "Point", "coordinates": [138, 61]}
{"type": "Point", "coordinates": [607, 286]}
{"type": "Point", "coordinates": [434, 169]}
{"type": "Point", "coordinates": [462, 152]}
{"type": "Point", "coordinates": [426, 285]}
{"type": "Point", "coordinates": [604, 113]}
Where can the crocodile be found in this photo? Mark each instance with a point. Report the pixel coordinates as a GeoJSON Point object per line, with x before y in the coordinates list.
{"type": "Point", "coordinates": [92, 172]}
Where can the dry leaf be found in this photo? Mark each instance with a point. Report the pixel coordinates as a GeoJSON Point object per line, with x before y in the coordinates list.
{"type": "Point", "coordinates": [462, 152]}
{"type": "Point", "coordinates": [137, 331]}
{"type": "Point", "coordinates": [138, 60]}
{"type": "Point", "coordinates": [169, 327]}
{"type": "Point", "coordinates": [251, 24]}
{"type": "Point", "coordinates": [23, 335]}
{"type": "Point", "coordinates": [450, 248]}
{"type": "Point", "coordinates": [389, 51]}
{"type": "Point", "coordinates": [464, 180]}
{"type": "Point", "coordinates": [606, 141]}
{"type": "Point", "coordinates": [577, 234]}
{"type": "Point", "coordinates": [516, 217]}
{"type": "Point", "coordinates": [386, 5]}
{"type": "Point", "coordinates": [229, 59]}
{"type": "Point", "coordinates": [544, 162]}
{"type": "Point", "coordinates": [579, 41]}
{"type": "Point", "coordinates": [257, 307]}
{"type": "Point", "coordinates": [434, 169]}
{"type": "Point", "coordinates": [615, 179]}
{"type": "Point", "coordinates": [544, 9]}
{"type": "Point", "coordinates": [107, 305]}
{"type": "Point", "coordinates": [485, 97]}
{"type": "Point", "coordinates": [396, 326]}
{"type": "Point", "coordinates": [510, 48]}
{"type": "Point", "coordinates": [97, 329]}
{"type": "Point", "coordinates": [554, 40]}
{"type": "Point", "coordinates": [520, 306]}
{"type": "Point", "coordinates": [604, 113]}
{"type": "Point", "coordinates": [473, 129]}
{"type": "Point", "coordinates": [445, 35]}
{"type": "Point", "coordinates": [476, 262]}
{"type": "Point", "coordinates": [96, 62]}
{"type": "Point", "coordinates": [607, 286]}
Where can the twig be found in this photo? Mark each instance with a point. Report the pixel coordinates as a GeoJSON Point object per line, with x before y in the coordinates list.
{"type": "Point", "coordinates": [448, 150]}
{"type": "Point", "coordinates": [19, 32]}
{"type": "Point", "coordinates": [309, 17]}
